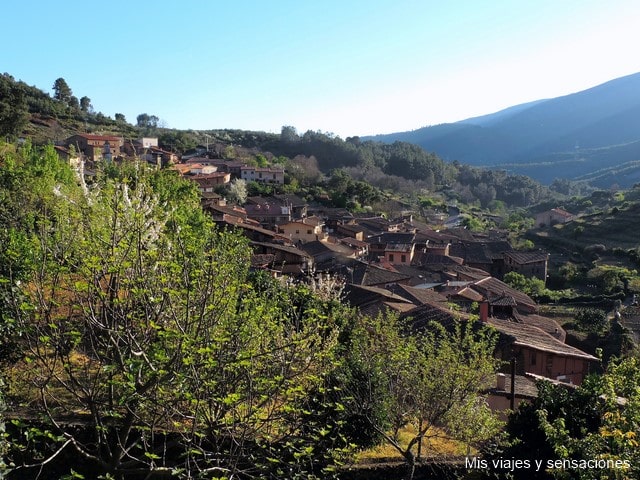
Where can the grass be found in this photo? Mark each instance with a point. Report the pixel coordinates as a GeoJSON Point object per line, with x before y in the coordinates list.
{"type": "Point", "coordinates": [437, 445]}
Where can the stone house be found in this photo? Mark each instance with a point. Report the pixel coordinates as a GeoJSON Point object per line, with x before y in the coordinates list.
{"type": "Point", "coordinates": [552, 217]}
{"type": "Point", "coordinates": [96, 147]}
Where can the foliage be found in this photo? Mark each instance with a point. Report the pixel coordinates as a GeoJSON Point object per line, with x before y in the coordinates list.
{"type": "Point", "coordinates": [141, 320]}
{"type": "Point", "coordinates": [610, 278]}
{"type": "Point", "coordinates": [62, 91]}
{"type": "Point", "coordinates": [528, 438]}
{"type": "Point", "coordinates": [592, 319]}
{"type": "Point", "coordinates": [147, 122]}
{"type": "Point", "coordinates": [531, 286]}
{"type": "Point", "coordinates": [177, 140]}
{"type": "Point", "coordinates": [345, 192]}
{"type": "Point", "coordinates": [238, 192]}
{"type": "Point", "coordinates": [596, 422]}
{"type": "Point", "coordinates": [85, 104]}
{"type": "Point", "coordinates": [3, 440]}
{"type": "Point", "coordinates": [427, 379]}
{"type": "Point", "coordinates": [13, 107]}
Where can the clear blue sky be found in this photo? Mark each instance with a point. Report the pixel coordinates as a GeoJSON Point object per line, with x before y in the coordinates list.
{"type": "Point", "coordinates": [350, 67]}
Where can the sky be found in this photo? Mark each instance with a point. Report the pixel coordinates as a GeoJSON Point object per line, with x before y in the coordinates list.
{"type": "Point", "coordinates": [347, 67]}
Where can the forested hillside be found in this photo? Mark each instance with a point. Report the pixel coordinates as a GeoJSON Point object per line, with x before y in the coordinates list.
{"type": "Point", "coordinates": [398, 167]}
{"type": "Point", "coordinates": [576, 135]}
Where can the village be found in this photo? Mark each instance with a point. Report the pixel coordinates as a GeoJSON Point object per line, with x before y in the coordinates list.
{"type": "Point", "coordinates": [396, 264]}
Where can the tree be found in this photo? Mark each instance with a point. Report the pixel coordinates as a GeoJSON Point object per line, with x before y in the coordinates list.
{"type": "Point", "coordinates": [593, 428]}
{"type": "Point", "coordinates": [73, 103]}
{"type": "Point", "coordinates": [13, 107]}
{"type": "Point", "coordinates": [142, 322]}
{"type": "Point", "coordinates": [85, 105]}
{"type": "Point", "coordinates": [531, 286]}
{"type": "Point", "coordinates": [142, 120]}
{"type": "Point", "coordinates": [430, 380]}
{"type": "Point", "coordinates": [238, 191]}
{"type": "Point", "coordinates": [120, 118]}
{"type": "Point", "coordinates": [147, 121]}
{"type": "Point", "coordinates": [61, 89]}
{"type": "Point", "coordinates": [289, 134]}
{"type": "Point", "coordinates": [592, 319]}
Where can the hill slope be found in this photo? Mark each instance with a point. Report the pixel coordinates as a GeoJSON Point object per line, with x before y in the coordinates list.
{"type": "Point", "coordinates": [573, 126]}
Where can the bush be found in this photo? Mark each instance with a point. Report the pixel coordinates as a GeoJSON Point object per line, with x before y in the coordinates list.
{"type": "Point", "coordinates": [592, 319]}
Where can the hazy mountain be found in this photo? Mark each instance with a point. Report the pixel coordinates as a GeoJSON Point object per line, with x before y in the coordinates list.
{"type": "Point", "coordinates": [558, 137]}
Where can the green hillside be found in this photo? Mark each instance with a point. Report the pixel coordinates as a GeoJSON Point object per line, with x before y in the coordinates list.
{"type": "Point", "coordinates": [613, 222]}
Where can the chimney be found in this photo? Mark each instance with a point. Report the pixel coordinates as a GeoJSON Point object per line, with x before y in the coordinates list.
{"type": "Point", "coordinates": [501, 381]}
{"type": "Point", "coordinates": [484, 311]}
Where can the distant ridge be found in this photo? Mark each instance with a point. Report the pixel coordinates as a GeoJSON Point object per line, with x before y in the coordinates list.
{"type": "Point", "coordinates": [559, 135]}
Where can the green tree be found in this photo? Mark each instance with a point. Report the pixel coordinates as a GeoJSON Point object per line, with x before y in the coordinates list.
{"type": "Point", "coordinates": [61, 90]}
{"type": "Point", "coordinates": [430, 380]}
{"type": "Point", "coordinates": [85, 104]}
{"type": "Point", "coordinates": [592, 319]}
{"type": "Point", "coordinates": [531, 286]}
{"type": "Point", "coordinates": [598, 421]}
{"type": "Point", "coordinates": [147, 121]}
{"type": "Point", "coordinates": [13, 107]}
{"type": "Point", "coordinates": [142, 321]}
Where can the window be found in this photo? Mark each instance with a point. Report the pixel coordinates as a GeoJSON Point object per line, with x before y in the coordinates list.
{"type": "Point", "coordinates": [309, 232]}
{"type": "Point", "coordinates": [533, 358]}
{"type": "Point", "coordinates": [403, 258]}
{"type": "Point", "coordinates": [391, 257]}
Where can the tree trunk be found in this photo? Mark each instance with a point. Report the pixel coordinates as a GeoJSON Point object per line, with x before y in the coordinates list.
{"type": "Point", "coordinates": [411, 465]}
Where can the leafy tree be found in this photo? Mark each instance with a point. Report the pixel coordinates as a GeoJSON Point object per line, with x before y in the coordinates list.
{"type": "Point", "coordinates": [527, 432]}
{"type": "Point", "coordinates": [473, 223]}
{"type": "Point", "coordinates": [61, 90]}
{"type": "Point", "coordinates": [13, 107]}
{"type": "Point", "coordinates": [142, 321]}
{"type": "Point", "coordinates": [3, 441]}
{"type": "Point", "coordinates": [120, 118]}
{"type": "Point", "coordinates": [430, 380]}
{"type": "Point", "coordinates": [74, 103]}
{"type": "Point", "coordinates": [598, 421]}
{"type": "Point", "coordinates": [531, 286]}
{"type": "Point", "coordinates": [592, 319]}
{"type": "Point", "coordinates": [177, 140]}
{"type": "Point", "coordinates": [85, 104]}
{"type": "Point", "coordinates": [289, 134]}
{"type": "Point", "coordinates": [147, 121]}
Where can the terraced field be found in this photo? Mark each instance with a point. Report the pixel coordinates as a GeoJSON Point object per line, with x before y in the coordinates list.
{"type": "Point", "coordinates": [617, 227]}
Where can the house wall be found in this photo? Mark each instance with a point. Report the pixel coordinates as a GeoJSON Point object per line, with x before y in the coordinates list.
{"type": "Point", "coordinates": [529, 270]}
{"type": "Point", "coordinates": [93, 146]}
{"type": "Point", "coordinates": [300, 231]}
{"type": "Point", "coordinates": [396, 257]}
{"type": "Point", "coordinates": [553, 365]}
{"type": "Point", "coordinates": [500, 403]}
{"type": "Point", "coordinates": [147, 142]}
{"type": "Point", "coordinates": [262, 175]}
{"type": "Point", "coordinates": [546, 219]}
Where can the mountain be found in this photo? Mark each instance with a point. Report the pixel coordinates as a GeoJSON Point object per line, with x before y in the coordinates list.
{"type": "Point", "coordinates": [573, 136]}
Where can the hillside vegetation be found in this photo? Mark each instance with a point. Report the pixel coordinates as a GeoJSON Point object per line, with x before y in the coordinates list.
{"type": "Point", "coordinates": [591, 134]}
